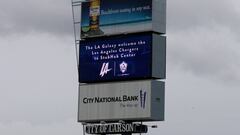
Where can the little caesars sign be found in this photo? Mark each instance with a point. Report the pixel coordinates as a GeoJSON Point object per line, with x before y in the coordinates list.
{"type": "Point", "coordinates": [115, 128]}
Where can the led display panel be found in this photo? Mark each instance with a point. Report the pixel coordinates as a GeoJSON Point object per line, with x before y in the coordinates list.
{"type": "Point", "coordinates": [122, 57]}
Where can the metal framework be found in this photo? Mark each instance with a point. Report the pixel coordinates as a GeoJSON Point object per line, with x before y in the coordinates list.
{"type": "Point", "coordinates": [76, 14]}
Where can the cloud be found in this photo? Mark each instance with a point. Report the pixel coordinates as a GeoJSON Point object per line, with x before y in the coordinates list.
{"type": "Point", "coordinates": [189, 14]}
{"type": "Point", "coordinates": [206, 51]}
{"type": "Point", "coordinates": [38, 75]}
{"type": "Point", "coordinates": [26, 128]}
{"type": "Point", "coordinates": [38, 78]}
{"type": "Point", "coordinates": [46, 16]}
{"type": "Point", "coordinates": [202, 38]}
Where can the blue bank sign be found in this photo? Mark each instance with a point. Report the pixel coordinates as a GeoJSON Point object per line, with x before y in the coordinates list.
{"type": "Point", "coordinates": [115, 58]}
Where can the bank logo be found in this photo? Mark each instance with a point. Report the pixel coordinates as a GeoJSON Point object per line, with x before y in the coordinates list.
{"type": "Point", "coordinates": [104, 69]}
{"type": "Point", "coordinates": [123, 67]}
{"type": "Point", "coordinates": [143, 95]}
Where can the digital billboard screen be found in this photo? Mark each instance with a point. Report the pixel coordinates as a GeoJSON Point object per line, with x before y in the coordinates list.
{"type": "Point", "coordinates": [105, 17]}
{"type": "Point", "coordinates": [113, 58]}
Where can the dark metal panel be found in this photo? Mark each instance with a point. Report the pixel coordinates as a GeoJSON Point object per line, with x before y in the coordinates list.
{"type": "Point", "coordinates": [159, 57]}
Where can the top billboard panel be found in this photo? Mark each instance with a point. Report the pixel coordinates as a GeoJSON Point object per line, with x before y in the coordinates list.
{"type": "Point", "coordinates": [110, 17]}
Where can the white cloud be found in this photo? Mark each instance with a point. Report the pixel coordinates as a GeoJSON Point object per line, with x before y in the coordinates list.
{"type": "Point", "coordinates": [189, 14]}
{"type": "Point", "coordinates": [52, 16]}
{"type": "Point", "coordinates": [26, 128]}
{"type": "Point", "coordinates": [38, 78]}
{"type": "Point", "coordinates": [206, 51]}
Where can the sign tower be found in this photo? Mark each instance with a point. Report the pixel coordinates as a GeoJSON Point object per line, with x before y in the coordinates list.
{"type": "Point", "coordinates": [121, 57]}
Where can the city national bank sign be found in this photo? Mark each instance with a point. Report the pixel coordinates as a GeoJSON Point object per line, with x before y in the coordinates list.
{"type": "Point", "coordinates": [122, 54]}
{"type": "Point", "coordinates": [133, 100]}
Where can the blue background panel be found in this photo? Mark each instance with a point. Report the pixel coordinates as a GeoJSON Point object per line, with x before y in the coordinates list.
{"type": "Point", "coordinates": [114, 58]}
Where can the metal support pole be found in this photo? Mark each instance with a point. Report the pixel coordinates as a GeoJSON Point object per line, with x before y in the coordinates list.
{"type": "Point", "coordinates": [83, 129]}
{"type": "Point", "coordinates": [141, 124]}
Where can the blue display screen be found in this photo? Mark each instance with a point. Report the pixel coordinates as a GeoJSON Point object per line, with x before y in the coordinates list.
{"type": "Point", "coordinates": [115, 58]}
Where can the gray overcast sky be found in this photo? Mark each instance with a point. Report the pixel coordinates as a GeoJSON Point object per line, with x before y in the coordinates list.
{"type": "Point", "coordinates": [38, 73]}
